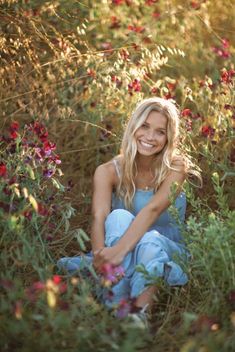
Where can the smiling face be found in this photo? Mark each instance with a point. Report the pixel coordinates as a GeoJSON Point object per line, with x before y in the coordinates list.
{"type": "Point", "coordinates": [151, 137]}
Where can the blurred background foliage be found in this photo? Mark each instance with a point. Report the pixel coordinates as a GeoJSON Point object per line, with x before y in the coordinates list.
{"type": "Point", "coordinates": [79, 68]}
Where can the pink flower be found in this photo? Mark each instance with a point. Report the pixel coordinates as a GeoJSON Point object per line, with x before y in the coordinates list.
{"type": "Point", "coordinates": [111, 274]}
{"type": "Point", "coordinates": [117, 2]}
{"type": "Point", "coordinates": [123, 309]}
{"type": "Point", "coordinates": [222, 50]}
{"type": "Point", "coordinates": [150, 2]}
{"type": "Point", "coordinates": [56, 279]}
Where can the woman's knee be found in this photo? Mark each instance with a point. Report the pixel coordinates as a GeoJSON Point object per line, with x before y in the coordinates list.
{"type": "Point", "coordinates": [118, 221]}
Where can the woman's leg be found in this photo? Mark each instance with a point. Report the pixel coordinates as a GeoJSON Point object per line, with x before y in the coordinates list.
{"type": "Point", "coordinates": [116, 225]}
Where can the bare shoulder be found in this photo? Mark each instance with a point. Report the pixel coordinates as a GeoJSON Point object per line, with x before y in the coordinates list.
{"type": "Point", "coordinates": [106, 172]}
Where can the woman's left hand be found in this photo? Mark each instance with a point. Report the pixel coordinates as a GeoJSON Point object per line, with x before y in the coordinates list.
{"type": "Point", "coordinates": [112, 255]}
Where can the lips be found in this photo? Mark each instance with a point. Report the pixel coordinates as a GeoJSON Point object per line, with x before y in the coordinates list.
{"type": "Point", "coordinates": [146, 145]}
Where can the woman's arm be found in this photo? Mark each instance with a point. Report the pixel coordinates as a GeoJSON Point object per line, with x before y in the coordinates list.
{"type": "Point", "coordinates": [145, 218]}
{"type": "Point", "coordinates": [101, 204]}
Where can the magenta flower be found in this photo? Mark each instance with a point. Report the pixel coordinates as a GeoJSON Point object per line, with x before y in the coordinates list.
{"type": "Point", "coordinates": [48, 173]}
{"type": "Point", "coordinates": [123, 309]}
{"type": "Point", "coordinates": [48, 147]}
{"type": "Point", "coordinates": [111, 274]}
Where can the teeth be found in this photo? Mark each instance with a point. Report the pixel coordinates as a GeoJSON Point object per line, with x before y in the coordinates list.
{"type": "Point", "coordinates": [146, 144]}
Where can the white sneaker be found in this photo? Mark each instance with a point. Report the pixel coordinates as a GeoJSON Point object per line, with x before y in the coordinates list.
{"type": "Point", "coordinates": [140, 319]}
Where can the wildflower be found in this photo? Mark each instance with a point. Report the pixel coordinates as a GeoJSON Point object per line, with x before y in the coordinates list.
{"type": "Point", "coordinates": [150, 2]}
{"type": "Point", "coordinates": [156, 15]}
{"type": "Point", "coordinates": [48, 147]}
{"type": "Point", "coordinates": [134, 86]}
{"type": "Point", "coordinates": [14, 130]}
{"type": "Point", "coordinates": [117, 2]}
{"type": "Point", "coordinates": [195, 5]}
{"type": "Point", "coordinates": [48, 173]}
{"type": "Point", "coordinates": [186, 113]}
{"type": "Point", "coordinates": [222, 50]}
{"type": "Point", "coordinates": [155, 90]}
{"type": "Point", "coordinates": [227, 76]}
{"type": "Point", "coordinates": [115, 22]}
{"type": "Point", "coordinates": [111, 274]}
{"type": "Point", "coordinates": [42, 210]}
{"type": "Point", "coordinates": [3, 170]}
{"type": "Point", "coordinates": [123, 309]}
{"type": "Point", "coordinates": [207, 131]}
{"type": "Point", "coordinates": [40, 130]}
{"type": "Point", "coordinates": [56, 279]}
{"type": "Point", "coordinates": [137, 29]}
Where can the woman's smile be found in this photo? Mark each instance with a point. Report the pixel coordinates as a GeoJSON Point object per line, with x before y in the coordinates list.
{"type": "Point", "coordinates": [151, 136]}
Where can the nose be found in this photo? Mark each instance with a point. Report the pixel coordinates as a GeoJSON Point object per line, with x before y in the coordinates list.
{"type": "Point", "coordinates": [150, 135]}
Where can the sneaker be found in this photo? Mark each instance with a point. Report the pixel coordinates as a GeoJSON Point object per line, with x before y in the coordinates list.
{"type": "Point", "coordinates": [140, 319]}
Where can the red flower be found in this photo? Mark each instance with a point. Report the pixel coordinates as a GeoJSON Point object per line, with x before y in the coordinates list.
{"type": "Point", "coordinates": [48, 147]}
{"type": "Point", "coordinates": [137, 29]}
{"type": "Point", "coordinates": [115, 22]}
{"type": "Point", "coordinates": [227, 76]}
{"type": "Point", "coordinates": [196, 5]}
{"type": "Point", "coordinates": [56, 279]}
{"type": "Point", "coordinates": [42, 210]}
{"type": "Point", "coordinates": [117, 2]}
{"type": "Point", "coordinates": [156, 15]}
{"type": "Point", "coordinates": [134, 86]}
{"type": "Point", "coordinates": [208, 131]}
{"type": "Point", "coordinates": [3, 170]}
{"type": "Point", "coordinates": [186, 113]}
{"type": "Point", "coordinates": [15, 126]}
{"type": "Point", "coordinates": [171, 86]}
{"type": "Point", "coordinates": [13, 130]}
{"type": "Point", "coordinates": [150, 2]}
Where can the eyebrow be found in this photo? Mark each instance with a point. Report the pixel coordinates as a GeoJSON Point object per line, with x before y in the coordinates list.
{"type": "Point", "coordinates": [159, 128]}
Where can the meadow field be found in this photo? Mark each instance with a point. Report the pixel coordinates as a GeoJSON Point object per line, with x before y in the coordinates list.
{"type": "Point", "coordinates": [71, 73]}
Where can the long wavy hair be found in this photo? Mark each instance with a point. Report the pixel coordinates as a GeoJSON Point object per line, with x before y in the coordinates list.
{"type": "Point", "coordinates": [162, 162]}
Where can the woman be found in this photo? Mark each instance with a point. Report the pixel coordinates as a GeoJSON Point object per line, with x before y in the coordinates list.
{"type": "Point", "coordinates": [131, 223]}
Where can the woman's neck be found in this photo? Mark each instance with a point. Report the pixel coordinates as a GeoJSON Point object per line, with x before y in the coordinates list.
{"type": "Point", "coordinates": [144, 164]}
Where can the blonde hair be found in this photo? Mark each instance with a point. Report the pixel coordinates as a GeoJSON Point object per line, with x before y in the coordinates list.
{"type": "Point", "coordinates": [163, 161]}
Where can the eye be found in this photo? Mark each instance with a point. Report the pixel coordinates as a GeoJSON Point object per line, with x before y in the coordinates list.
{"type": "Point", "coordinates": [144, 125]}
{"type": "Point", "coordinates": [161, 133]}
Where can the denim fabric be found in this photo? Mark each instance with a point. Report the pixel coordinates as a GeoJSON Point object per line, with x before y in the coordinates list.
{"type": "Point", "coordinates": [155, 251]}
